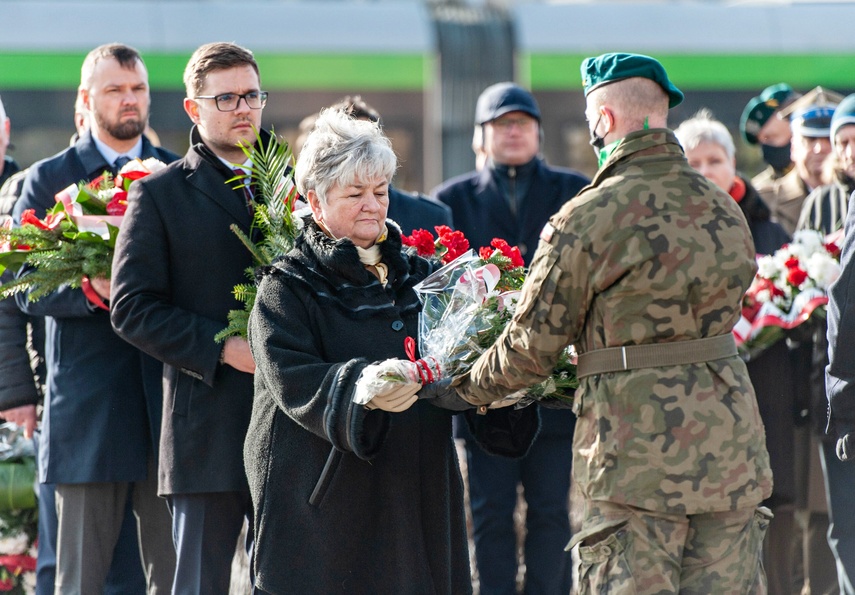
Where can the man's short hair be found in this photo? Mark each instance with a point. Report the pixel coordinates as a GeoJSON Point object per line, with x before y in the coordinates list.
{"type": "Point", "coordinates": [215, 56]}
{"type": "Point", "coordinates": [125, 55]}
{"type": "Point", "coordinates": [637, 98]}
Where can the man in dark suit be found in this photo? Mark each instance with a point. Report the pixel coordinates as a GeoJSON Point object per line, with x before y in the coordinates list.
{"type": "Point", "coordinates": [175, 266]}
{"type": "Point", "coordinates": [512, 198]}
{"type": "Point", "coordinates": [97, 444]}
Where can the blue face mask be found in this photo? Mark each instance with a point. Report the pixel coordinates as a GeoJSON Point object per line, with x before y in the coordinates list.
{"type": "Point", "coordinates": [777, 157]}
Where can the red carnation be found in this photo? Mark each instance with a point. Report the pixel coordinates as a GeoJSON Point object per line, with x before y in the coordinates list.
{"type": "Point", "coordinates": [796, 276]}
{"type": "Point", "coordinates": [510, 252]}
{"type": "Point", "coordinates": [485, 253]}
{"type": "Point", "coordinates": [454, 242]}
{"type": "Point", "coordinates": [422, 240]}
{"type": "Point", "coordinates": [441, 230]}
{"type": "Point", "coordinates": [792, 262]}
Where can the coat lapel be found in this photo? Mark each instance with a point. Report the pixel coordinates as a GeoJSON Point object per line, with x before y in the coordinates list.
{"type": "Point", "coordinates": [210, 180]}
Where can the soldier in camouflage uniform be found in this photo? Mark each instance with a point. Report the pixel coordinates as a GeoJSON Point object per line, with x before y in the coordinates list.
{"type": "Point", "coordinates": [650, 260]}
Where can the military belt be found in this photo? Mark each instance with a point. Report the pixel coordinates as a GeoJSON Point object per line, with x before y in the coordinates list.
{"type": "Point", "coordinates": [655, 355]}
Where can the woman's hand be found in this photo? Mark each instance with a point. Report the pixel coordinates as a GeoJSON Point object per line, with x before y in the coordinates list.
{"type": "Point", "coordinates": [390, 385]}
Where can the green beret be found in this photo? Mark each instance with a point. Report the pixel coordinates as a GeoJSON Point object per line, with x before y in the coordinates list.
{"type": "Point", "coordinates": [613, 67]}
{"type": "Point", "coordinates": [761, 108]}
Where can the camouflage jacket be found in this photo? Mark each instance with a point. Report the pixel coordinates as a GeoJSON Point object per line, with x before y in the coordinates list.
{"type": "Point", "coordinates": [649, 252]}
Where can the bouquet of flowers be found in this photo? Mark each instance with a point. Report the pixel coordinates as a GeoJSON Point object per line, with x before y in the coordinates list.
{"type": "Point", "coordinates": [76, 238]}
{"type": "Point", "coordinates": [18, 512]}
{"type": "Point", "coordinates": [790, 287]}
{"type": "Point", "coordinates": [274, 227]}
{"type": "Point", "coordinates": [466, 305]}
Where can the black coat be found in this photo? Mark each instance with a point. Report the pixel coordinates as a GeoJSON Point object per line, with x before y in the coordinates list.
{"type": "Point", "coordinates": [103, 395]}
{"type": "Point", "coordinates": [772, 372]}
{"type": "Point", "coordinates": [415, 211]}
{"type": "Point", "coordinates": [347, 500]}
{"type": "Point", "coordinates": [480, 211]}
{"type": "Point", "coordinates": [174, 269]}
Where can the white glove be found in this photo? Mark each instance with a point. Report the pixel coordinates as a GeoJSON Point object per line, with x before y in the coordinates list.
{"type": "Point", "coordinates": [390, 385]}
{"type": "Point", "coordinates": [511, 399]}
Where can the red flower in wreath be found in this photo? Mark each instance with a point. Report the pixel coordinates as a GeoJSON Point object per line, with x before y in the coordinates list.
{"type": "Point", "coordinates": [422, 240]}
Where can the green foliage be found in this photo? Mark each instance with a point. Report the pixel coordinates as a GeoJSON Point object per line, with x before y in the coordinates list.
{"type": "Point", "coordinates": [271, 177]}
{"type": "Point", "coordinates": [58, 257]}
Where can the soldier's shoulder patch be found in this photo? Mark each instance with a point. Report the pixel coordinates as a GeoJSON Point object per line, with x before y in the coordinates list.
{"type": "Point", "coordinates": [546, 232]}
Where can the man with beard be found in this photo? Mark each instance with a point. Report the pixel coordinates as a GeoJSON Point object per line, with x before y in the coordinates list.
{"type": "Point", "coordinates": [176, 263]}
{"type": "Point", "coordinates": [102, 413]}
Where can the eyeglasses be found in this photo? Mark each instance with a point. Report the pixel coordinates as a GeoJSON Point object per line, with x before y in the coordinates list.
{"type": "Point", "coordinates": [228, 102]}
{"type": "Point", "coordinates": [505, 124]}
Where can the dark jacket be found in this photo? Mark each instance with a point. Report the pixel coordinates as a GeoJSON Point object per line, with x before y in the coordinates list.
{"type": "Point", "coordinates": [415, 211]}
{"type": "Point", "coordinates": [360, 501]}
{"type": "Point", "coordinates": [22, 337]}
{"type": "Point", "coordinates": [772, 372]}
{"type": "Point", "coordinates": [103, 397]}
{"type": "Point", "coordinates": [480, 210]}
{"type": "Point", "coordinates": [10, 168]}
{"type": "Point", "coordinates": [174, 270]}
{"type": "Point", "coordinates": [840, 373]}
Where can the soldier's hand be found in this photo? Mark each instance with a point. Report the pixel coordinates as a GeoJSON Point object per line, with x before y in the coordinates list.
{"type": "Point", "coordinates": [441, 394]}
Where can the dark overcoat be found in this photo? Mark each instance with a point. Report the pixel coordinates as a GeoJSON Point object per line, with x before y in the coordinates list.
{"type": "Point", "coordinates": [175, 266]}
{"type": "Point", "coordinates": [103, 396]}
{"type": "Point", "coordinates": [347, 500]}
{"type": "Point", "coordinates": [415, 211]}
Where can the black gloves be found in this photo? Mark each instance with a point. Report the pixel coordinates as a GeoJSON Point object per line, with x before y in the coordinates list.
{"type": "Point", "coordinates": [441, 394]}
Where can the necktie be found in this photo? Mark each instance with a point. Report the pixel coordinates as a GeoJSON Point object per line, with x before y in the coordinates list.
{"type": "Point", "coordinates": [247, 193]}
{"type": "Point", "coordinates": [120, 162]}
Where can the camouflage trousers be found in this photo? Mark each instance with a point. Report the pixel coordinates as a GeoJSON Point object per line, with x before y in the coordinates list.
{"type": "Point", "coordinates": [627, 551]}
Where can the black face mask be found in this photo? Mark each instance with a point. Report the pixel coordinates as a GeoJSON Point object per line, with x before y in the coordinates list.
{"type": "Point", "coordinates": [598, 142]}
{"type": "Point", "coordinates": [777, 157]}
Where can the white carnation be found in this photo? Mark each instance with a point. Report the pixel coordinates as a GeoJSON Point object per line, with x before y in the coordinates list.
{"type": "Point", "coordinates": [14, 545]}
{"type": "Point", "coordinates": [767, 267]}
{"type": "Point", "coordinates": [823, 269]}
{"type": "Point", "coordinates": [810, 240]}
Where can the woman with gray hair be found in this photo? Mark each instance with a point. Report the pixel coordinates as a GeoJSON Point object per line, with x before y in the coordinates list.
{"type": "Point", "coordinates": [348, 498]}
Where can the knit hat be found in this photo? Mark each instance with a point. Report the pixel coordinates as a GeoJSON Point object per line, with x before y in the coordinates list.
{"type": "Point", "coordinates": [844, 115]}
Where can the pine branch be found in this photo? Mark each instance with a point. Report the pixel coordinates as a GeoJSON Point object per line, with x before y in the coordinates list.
{"type": "Point", "coordinates": [271, 176]}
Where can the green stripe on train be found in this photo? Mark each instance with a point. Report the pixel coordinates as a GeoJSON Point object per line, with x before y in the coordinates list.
{"type": "Point", "coordinates": [416, 71]}
{"type": "Point", "coordinates": [278, 71]}
{"type": "Point", "coordinates": [707, 72]}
